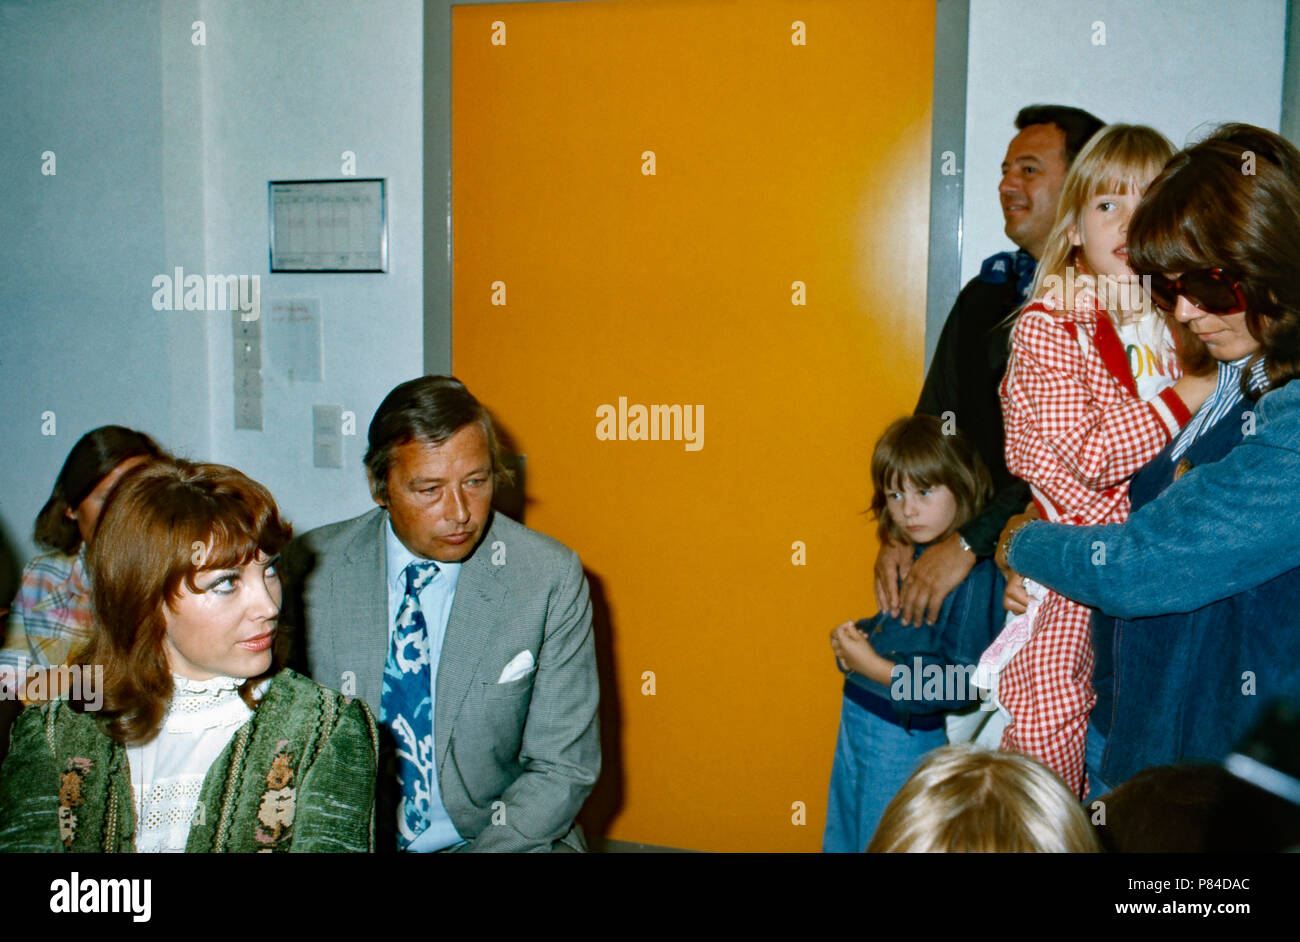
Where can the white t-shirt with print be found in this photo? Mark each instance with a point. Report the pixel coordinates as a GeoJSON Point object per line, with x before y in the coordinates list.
{"type": "Point", "coordinates": [1151, 354]}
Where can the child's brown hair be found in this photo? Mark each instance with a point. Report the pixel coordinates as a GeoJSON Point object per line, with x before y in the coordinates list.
{"type": "Point", "coordinates": [923, 450]}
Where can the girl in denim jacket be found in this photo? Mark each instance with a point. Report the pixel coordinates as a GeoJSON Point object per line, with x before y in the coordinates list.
{"type": "Point", "coordinates": [1092, 392]}
{"type": "Point", "coordinates": [901, 681]}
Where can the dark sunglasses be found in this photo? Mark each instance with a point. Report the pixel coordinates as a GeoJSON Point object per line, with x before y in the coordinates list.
{"type": "Point", "coordinates": [1211, 289]}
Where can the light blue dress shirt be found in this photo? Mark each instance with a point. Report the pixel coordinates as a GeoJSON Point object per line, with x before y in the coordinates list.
{"type": "Point", "coordinates": [435, 602]}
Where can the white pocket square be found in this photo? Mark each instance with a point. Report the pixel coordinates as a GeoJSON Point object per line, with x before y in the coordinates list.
{"type": "Point", "coordinates": [519, 666]}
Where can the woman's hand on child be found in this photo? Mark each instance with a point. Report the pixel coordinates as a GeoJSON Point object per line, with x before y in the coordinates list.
{"type": "Point", "coordinates": [938, 570]}
{"type": "Point", "coordinates": [892, 565]}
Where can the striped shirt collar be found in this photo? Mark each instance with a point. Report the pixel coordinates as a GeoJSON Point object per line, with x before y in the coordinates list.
{"type": "Point", "coordinates": [1226, 395]}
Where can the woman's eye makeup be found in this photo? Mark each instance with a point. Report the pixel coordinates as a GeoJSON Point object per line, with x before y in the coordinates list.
{"type": "Point", "coordinates": [224, 583]}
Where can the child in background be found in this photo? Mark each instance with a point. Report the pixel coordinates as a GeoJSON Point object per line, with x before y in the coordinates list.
{"type": "Point", "coordinates": [903, 680]}
{"type": "Point", "coordinates": [1091, 393]}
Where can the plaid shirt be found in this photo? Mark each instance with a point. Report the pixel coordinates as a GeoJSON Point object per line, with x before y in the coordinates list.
{"type": "Point", "coordinates": [1076, 431]}
{"type": "Point", "coordinates": [50, 619]}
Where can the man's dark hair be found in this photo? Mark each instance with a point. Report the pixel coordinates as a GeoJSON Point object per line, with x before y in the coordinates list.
{"type": "Point", "coordinates": [430, 409]}
{"type": "Point", "coordinates": [1078, 125]}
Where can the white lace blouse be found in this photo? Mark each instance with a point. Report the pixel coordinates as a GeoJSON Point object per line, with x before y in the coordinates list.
{"type": "Point", "coordinates": [167, 772]}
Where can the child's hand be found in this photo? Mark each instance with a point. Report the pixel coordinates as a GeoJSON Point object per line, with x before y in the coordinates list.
{"type": "Point", "coordinates": [856, 654]}
{"type": "Point", "coordinates": [1014, 598]}
{"type": "Point", "coordinates": [839, 634]}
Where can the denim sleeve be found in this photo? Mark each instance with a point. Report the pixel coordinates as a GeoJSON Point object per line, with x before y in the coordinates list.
{"type": "Point", "coordinates": [1219, 530]}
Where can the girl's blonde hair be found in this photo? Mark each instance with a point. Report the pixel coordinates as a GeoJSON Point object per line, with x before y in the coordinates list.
{"type": "Point", "coordinates": [1119, 159]}
{"type": "Point", "coordinates": [917, 448]}
{"type": "Point", "coordinates": [964, 799]}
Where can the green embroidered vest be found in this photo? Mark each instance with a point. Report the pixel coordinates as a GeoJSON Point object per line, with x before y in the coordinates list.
{"type": "Point", "coordinates": [299, 775]}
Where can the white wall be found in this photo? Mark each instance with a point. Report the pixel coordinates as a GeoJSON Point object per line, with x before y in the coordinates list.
{"type": "Point", "coordinates": [288, 86]}
{"type": "Point", "coordinates": [78, 335]}
{"type": "Point", "coordinates": [163, 152]}
{"type": "Point", "coordinates": [1177, 65]}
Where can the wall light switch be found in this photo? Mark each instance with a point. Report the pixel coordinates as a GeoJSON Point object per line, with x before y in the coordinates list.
{"type": "Point", "coordinates": [248, 412]}
{"type": "Point", "coordinates": [327, 436]}
{"type": "Point", "coordinates": [247, 361]}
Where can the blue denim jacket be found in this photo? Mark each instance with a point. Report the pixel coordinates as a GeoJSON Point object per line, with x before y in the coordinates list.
{"type": "Point", "coordinates": [1217, 557]}
{"type": "Point", "coordinates": [968, 621]}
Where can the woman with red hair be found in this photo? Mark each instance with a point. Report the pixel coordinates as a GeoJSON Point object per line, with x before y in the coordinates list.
{"type": "Point", "coordinates": [186, 733]}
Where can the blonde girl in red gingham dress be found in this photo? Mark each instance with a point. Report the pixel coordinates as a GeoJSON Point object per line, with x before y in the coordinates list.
{"type": "Point", "coordinates": [1077, 427]}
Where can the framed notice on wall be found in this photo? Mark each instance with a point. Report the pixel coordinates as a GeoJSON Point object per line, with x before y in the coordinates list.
{"type": "Point", "coordinates": [328, 225]}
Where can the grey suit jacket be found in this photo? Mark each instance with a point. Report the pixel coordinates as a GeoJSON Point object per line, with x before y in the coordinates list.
{"type": "Point", "coordinates": [515, 760]}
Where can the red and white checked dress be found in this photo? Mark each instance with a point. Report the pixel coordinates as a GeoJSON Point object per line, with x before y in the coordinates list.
{"type": "Point", "coordinates": [1076, 430]}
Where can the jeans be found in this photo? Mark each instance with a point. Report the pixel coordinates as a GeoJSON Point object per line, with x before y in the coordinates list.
{"type": "Point", "coordinates": [1092, 754]}
{"type": "Point", "coordinates": [873, 758]}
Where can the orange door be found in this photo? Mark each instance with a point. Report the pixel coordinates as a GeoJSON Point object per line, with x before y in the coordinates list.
{"type": "Point", "coordinates": [716, 212]}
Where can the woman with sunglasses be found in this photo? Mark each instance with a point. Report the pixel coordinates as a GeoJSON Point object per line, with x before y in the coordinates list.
{"type": "Point", "coordinates": [1203, 580]}
{"type": "Point", "coordinates": [186, 734]}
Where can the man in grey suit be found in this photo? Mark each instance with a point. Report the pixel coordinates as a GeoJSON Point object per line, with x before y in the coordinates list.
{"type": "Point", "coordinates": [433, 589]}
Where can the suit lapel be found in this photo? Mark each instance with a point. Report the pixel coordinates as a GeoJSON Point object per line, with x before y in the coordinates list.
{"type": "Point", "coordinates": [359, 603]}
{"type": "Point", "coordinates": [474, 614]}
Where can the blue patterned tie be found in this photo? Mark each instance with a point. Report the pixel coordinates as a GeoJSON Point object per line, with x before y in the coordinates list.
{"type": "Point", "coordinates": [406, 706]}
